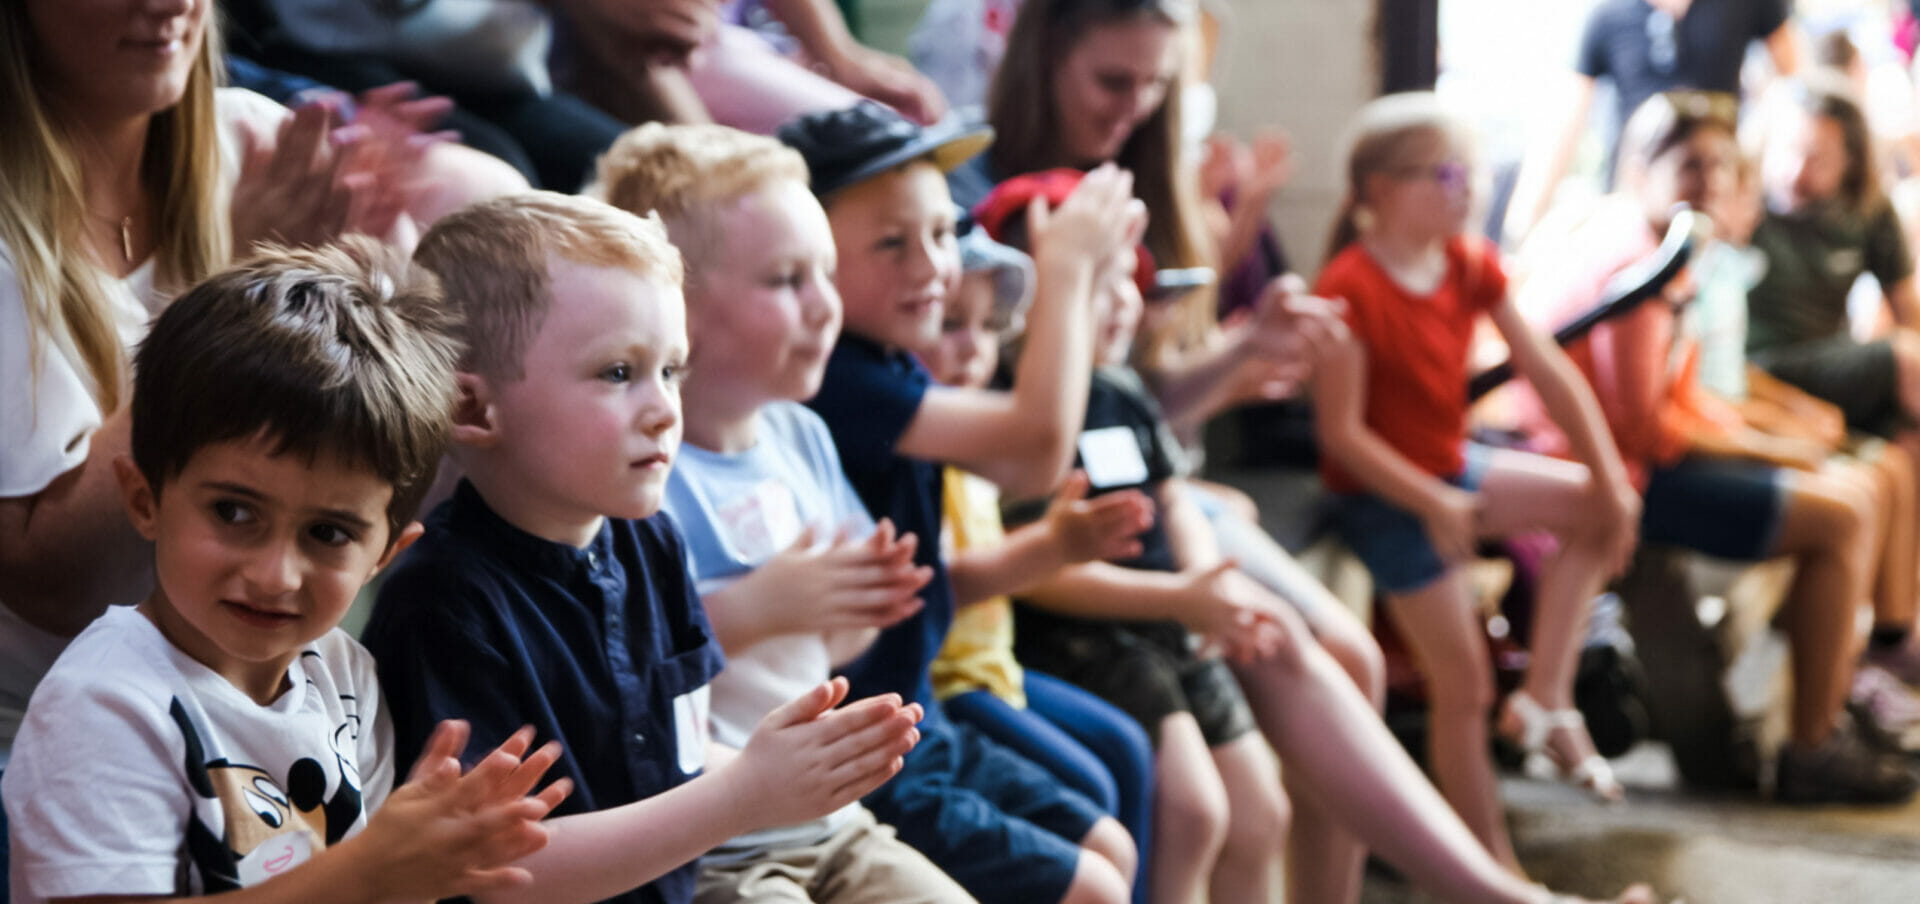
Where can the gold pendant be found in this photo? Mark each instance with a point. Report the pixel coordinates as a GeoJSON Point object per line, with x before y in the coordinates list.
{"type": "Point", "coordinates": [126, 239]}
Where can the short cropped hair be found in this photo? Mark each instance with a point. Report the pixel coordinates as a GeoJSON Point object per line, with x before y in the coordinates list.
{"type": "Point", "coordinates": [494, 260]}
{"type": "Point", "coordinates": [683, 172]}
{"type": "Point", "coordinates": [344, 349]}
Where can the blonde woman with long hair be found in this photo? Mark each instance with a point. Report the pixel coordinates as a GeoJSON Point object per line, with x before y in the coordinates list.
{"type": "Point", "coordinates": [118, 163]}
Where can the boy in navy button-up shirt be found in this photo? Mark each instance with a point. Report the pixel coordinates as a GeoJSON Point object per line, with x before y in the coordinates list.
{"type": "Point", "coordinates": [964, 800]}
{"type": "Point", "coordinates": [548, 590]}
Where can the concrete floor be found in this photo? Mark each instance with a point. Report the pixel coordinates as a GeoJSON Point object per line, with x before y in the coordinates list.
{"type": "Point", "coordinates": [1703, 849]}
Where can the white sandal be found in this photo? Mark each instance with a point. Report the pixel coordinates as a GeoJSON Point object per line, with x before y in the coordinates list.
{"type": "Point", "coordinates": [1592, 775]}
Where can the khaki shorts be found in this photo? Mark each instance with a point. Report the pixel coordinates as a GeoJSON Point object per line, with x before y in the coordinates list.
{"type": "Point", "coordinates": [863, 863]}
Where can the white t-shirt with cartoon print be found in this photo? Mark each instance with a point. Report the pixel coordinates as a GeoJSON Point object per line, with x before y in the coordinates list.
{"type": "Point", "coordinates": [140, 771]}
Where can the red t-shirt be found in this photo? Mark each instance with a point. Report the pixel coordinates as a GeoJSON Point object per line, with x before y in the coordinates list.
{"type": "Point", "coordinates": [1416, 351]}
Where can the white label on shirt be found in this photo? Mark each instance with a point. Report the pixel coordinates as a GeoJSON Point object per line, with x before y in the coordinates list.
{"type": "Point", "coordinates": [275, 856]}
{"type": "Point", "coordinates": [1845, 261]}
{"type": "Point", "coordinates": [761, 523]}
{"type": "Point", "coordinates": [690, 729]}
{"type": "Point", "coordinates": [1112, 458]}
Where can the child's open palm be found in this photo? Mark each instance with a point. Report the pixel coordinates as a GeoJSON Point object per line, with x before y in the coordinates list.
{"type": "Point", "coordinates": [1105, 528]}
{"type": "Point", "coordinates": [1092, 224]}
{"type": "Point", "coordinates": [444, 834]}
{"type": "Point", "coordinates": [807, 758]}
{"type": "Point", "coordinates": [843, 584]}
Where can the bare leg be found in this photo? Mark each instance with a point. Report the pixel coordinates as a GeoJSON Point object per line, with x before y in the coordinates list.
{"type": "Point", "coordinates": [1443, 632]}
{"type": "Point", "coordinates": [1189, 813]}
{"type": "Point", "coordinates": [1896, 591]}
{"type": "Point", "coordinates": [1348, 766]}
{"type": "Point", "coordinates": [1530, 492]}
{"type": "Point", "coordinates": [1246, 872]}
{"type": "Point", "coordinates": [1105, 872]}
{"type": "Point", "coordinates": [1095, 881]}
{"type": "Point", "coordinates": [1325, 860]}
{"type": "Point", "coordinates": [1823, 528]}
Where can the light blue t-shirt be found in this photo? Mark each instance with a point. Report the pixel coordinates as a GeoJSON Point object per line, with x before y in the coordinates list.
{"type": "Point", "coordinates": [737, 511]}
{"type": "Point", "coordinates": [1718, 316]}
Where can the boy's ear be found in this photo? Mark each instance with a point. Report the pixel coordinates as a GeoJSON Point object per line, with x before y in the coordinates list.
{"type": "Point", "coordinates": [404, 539]}
{"type": "Point", "coordinates": [142, 508]}
{"type": "Point", "coordinates": [473, 419]}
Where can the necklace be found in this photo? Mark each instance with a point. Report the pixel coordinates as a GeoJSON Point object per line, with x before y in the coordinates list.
{"type": "Point", "coordinates": [126, 239]}
{"type": "Point", "coordinates": [126, 234]}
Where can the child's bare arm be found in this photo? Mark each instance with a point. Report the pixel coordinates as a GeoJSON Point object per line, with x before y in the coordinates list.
{"type": "Point", "coordinates": [805, 760]}
{"type": "Point", "coordinates": [1075, 529]}
{"type": "Point", "coordinates": [1022, 439]}
{"type": "Point", "coordinates": [1219, 603]}
{"type": "Point", "coordinates": [442, 834]}
{"type": "Point", "coordinates": [813, 587]}
{"type": "Point", "coordinates": [68, 551]}
{"type": "Point", "coordinates": [1261, 353]}
{"type": "Point", "coordinates": [1570, 402]}
{"type": "Point", "coordinates": [1339, 420]}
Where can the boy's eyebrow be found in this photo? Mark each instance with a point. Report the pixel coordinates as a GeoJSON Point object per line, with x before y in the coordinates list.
{"type": "Point", "coordinates": [350, 517]}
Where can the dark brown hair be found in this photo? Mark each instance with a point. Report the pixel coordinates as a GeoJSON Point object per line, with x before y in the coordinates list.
{"type": "Point", "coordinates": [1020, 107]}
{"type": "Point", "coordinates": [1827, 98]}
{"type": "Point", "coordinates": [1669, 119]}
{"type": "Point", "coordinates": [343, 349]}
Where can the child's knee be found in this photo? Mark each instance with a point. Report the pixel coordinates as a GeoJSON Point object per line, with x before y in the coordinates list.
{"type": "Point", "coordinates": [1097, 881]}
{"type": "Point", "coordinates": [1192, 815]}
{"type": "Point", "coordinates": [1109, 840]}
{"type": "Point", "coordinates": [1360, 657]}
{"type": "Point", "coordinates": [1260, 820]}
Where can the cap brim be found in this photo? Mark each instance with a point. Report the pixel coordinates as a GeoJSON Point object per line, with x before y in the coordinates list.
{"type": "Point", "coordinates": [946, 146]}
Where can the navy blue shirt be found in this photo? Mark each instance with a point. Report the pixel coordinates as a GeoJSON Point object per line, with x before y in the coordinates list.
{"type": "Point", "coordinates": [605, 649]}
{"type": "Point", "coordinates": [1644, 52]}
{"type": "Point", "coordinates": [868, 399]}
{"type": "Point", "coordinates": [1117, 399]}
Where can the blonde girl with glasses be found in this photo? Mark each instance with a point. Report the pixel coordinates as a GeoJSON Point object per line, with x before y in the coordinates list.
{"type": "Point", "coordinates": [1416, 498]}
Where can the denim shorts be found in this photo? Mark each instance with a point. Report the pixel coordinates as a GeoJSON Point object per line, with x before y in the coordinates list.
{"type": "Point", "coordinates": [1729, 509]}
{"type": "Point", "coordinates": [1391, 541]}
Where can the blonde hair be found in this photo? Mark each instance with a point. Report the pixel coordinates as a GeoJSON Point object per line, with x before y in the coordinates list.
{"type": "Point", "coordinates": [683, 172]}
{"type": "Point", "coordinates": [1389, 133]}
{"type": "Point", "coordinates": [493, 261]}
{"type": "Point", "coordinates": [43, 206]}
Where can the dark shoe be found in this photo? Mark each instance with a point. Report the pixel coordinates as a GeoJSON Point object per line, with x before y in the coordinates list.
{"type": "Point", "coordinates": [1842, 770]}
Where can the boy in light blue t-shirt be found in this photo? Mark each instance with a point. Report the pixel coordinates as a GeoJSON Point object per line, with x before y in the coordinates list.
{"type": "Point", "coordinates": [793, 572]}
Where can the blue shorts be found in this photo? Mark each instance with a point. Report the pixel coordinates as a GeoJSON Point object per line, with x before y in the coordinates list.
{"type": "Point", "coordinates": [1001, 826]}
{"type": "Point", "coordinates": [1391, 541]}
{"type": "Point", "coordinates": [1729, 509]}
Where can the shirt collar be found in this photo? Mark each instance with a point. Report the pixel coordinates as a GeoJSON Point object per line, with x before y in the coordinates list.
{"type": "Point", "coordinates": [468, 513]}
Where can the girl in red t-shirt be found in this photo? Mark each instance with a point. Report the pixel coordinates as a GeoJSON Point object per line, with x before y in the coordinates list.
{"type": "Point", "coordinates": [1391, 409]}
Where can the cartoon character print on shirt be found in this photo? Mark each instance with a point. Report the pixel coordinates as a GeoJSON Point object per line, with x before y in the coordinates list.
{"type": "Point", "coordinates": [269, 827]}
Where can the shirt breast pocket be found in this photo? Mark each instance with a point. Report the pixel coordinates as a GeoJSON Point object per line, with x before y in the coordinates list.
{"type": "Point", "coordinates": [682, 687]}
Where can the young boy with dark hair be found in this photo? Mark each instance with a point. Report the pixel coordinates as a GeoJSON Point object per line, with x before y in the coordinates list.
{"type": "Point", "coordinates": [998, 823]}
{"type": "Point", "coordinates": [549, 590]}
{"type": "Point", "coordinates": [224, 735]}
{"type": "Point", "coordinates": [794, 573]}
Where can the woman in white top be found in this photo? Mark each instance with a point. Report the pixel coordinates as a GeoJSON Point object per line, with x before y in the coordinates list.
{"type": "Point", "coordinates": [118, 165]}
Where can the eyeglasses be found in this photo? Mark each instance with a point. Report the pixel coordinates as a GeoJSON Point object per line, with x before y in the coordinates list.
{"type": "Point", "coordinates": [1452, 175]}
